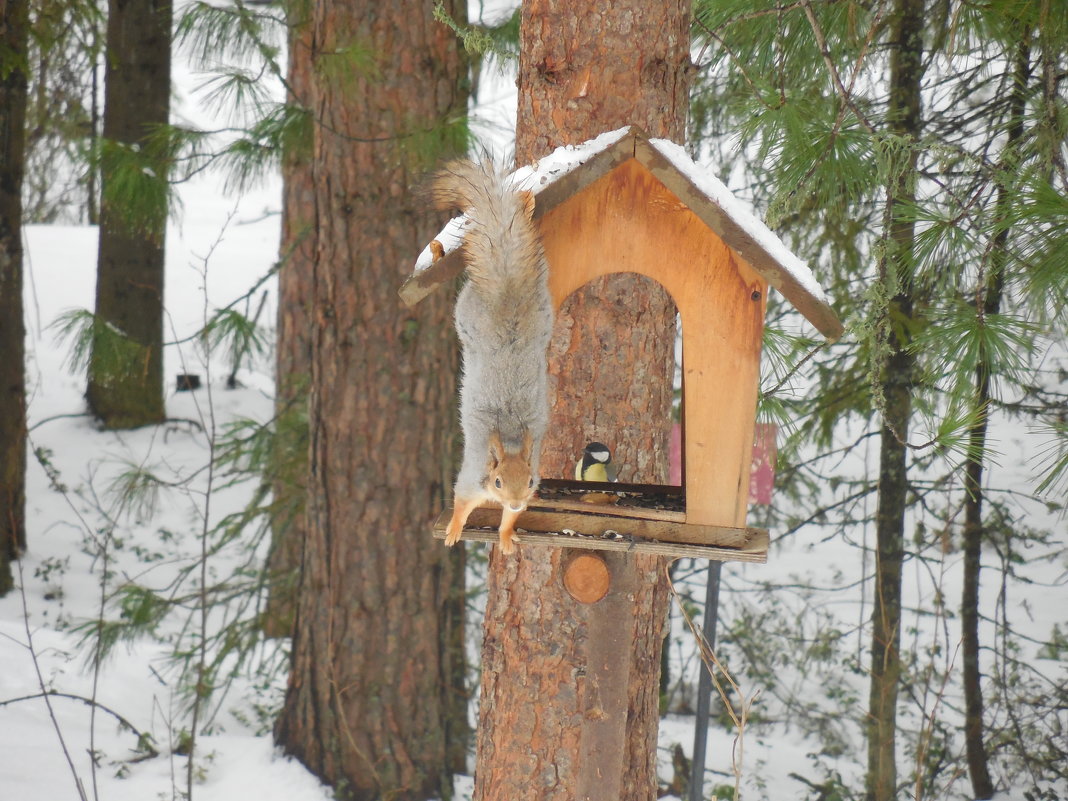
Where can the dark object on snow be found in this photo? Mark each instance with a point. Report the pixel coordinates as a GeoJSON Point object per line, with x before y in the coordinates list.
{"type": "Point", "coordinates": [187, 382]}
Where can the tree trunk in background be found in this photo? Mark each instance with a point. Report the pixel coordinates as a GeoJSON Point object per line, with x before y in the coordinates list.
{"type": "Point", "coordinates": [993, 292]}
{"type": "Point", "coordinates": [293, 344]}
{"type": "Point", "coordinates": [886, 616]}
{"type": "Point", "coordinates": [904, 120]}
{"type": "Point", "coordinates": [585, 68]}
{"type": "Point", "coordinates": [126, 391]}
{"type": "Point", "coordinates": [14, 25]}
{"type": "Point", "coordinates": [978, 768]}
{"type": "Point", "coordinates": [369, 704]}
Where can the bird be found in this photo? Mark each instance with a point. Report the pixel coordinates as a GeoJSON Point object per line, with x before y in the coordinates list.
{"type": "Point", "coordinates": [595, 464]}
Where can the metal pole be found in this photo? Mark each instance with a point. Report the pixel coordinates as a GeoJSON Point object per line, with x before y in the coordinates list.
{"type": "Point", "coordinates": [704, 685]}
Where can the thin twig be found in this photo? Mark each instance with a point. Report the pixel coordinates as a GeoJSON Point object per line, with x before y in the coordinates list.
{"type": "Point", "coordinates": [825, 52]}
{"type": "Point", "coordinates": [44, 689]}
{"type": "Point", "coordinates": [97, 658]}
{"type": "Point", "coordinates": [790, 373]}
{"type": "Point", "coordinates": [231, 381]}
{"type": "Point", "coordinates": [847, 92]}
{"type": "Point", "coordinates": [209, 427]}
{"type": "Point", "coordinates": [41, 422]}
{"type": "Point", "coordinates": [143, 740]}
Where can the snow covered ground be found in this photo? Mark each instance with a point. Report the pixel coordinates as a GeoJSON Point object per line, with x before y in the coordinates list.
{"type": "Point", "coordinates": [215, 251]}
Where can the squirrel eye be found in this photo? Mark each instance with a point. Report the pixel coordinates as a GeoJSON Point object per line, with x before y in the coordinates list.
{"type": "Point", "coordinates": [530, 483]}
{"type": "Point", "coordinates": [498, 483]}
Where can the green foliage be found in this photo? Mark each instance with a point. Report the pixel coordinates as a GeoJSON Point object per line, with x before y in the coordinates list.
{"type": "Point", "coordinates": [234, 333]}
{"type": "Point", "coordinates": [272, 451]}
{"type": "Point", "coordinates": [90, 337]}
{"type": "Point", "coordinates": [239, 49]}
{"type": "Point", "coordinates": [1056, 647]}
{"type": "Point", "coordinates": [347, 64]}
{"type": "Point", "coordinates": [140, 613]}
{"type": "Point", "coordinates": [77, 326]}
{"type": "Point", "coordinates": [773, 647]}
{"type": "Point", "coordinates": [246, 452]}
{"type": "Point", "coordinates": [257, 152]}
{"type": "Point", "coordinates": [136, 188]}
{"type": "Point", "coordinates": [235, 93]}
{"type": "Point", "coordinates": [1054, 462]}
{"type": "Point", "coordinates": [428, 145]}
{"type": "Point", "coordinates": [66, 43]}
{"type": "Point", "coordinates": [1040, 222]}
{"type": "Point", "coordinates": [232, 34]}
{"type": "Point", "coordinates": [136, 490]}
{"type": "Point", "coordinates": [831, 789]}
{"type": "Point", "coordinates": [499, 41]}
{"type": "Point", "coordinates": [961, 338]}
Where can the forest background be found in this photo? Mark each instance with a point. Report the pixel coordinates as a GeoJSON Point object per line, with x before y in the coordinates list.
{"type": "Point", "coordinates": [913, 153]}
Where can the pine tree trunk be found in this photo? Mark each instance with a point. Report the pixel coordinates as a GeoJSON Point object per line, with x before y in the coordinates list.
{"type": "Point", "coordinates": [978, 768]}
{"type": "Point", "coordinates": [127, 392]}
{"type": "Point", "coordinates": [992, 294]}
{"type": "Point", "coordinates": [904, 119]}
{"type": "Point", "coordinates": [368, 707]}
{"type": "Point", "coordinates": [886, 616]}
{"type": "Point", "coordinates": [14, 15]}
{"type": "Point", "coordinates": [293, 344]}
{"type": "Point", "coordinates": [586, 68]}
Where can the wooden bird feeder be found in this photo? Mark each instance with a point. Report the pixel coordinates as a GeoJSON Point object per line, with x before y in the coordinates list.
{"type": "Point", "coordinates": [626, 203]}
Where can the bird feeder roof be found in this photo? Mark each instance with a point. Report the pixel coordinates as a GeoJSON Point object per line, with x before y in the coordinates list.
{"type": "Point", "coordinates": [568, 170]}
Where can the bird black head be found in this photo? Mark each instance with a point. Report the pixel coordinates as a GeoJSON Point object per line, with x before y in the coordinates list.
{"type": "Point", "coordinates": [597, 452]}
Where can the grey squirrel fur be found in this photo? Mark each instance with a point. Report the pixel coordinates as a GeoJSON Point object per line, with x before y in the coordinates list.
{"type": "Point", "coordinates": [504, 319]}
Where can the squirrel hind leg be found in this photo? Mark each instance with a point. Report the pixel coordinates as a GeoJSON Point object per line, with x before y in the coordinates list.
{"type": "Point", "coordinates": [461, 510]}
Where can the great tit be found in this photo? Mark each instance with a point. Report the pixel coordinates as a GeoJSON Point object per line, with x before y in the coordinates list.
{"type": "Point", "coordinates": [595, 464]}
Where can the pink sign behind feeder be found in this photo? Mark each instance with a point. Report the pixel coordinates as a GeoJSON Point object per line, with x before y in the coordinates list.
{"type": "Point", "coordinates": [762, 472]}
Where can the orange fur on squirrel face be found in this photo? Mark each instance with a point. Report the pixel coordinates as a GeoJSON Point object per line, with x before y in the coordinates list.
{"type": "Point", "coordinates": [510, 481]}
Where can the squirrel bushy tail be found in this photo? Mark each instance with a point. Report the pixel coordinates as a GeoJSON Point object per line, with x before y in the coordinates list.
{"type": "Point", "coordinates": [500, 243]}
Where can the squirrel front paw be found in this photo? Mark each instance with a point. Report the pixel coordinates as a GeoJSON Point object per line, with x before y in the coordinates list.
{"type": "Point", "coordinates": [508, 539]}
{"type": "Point", "coordinates": [460, 512]}
{"type": "Point", "coordinates": [452, 534]}
{"type": "Point", "coordinates": [506, 530]}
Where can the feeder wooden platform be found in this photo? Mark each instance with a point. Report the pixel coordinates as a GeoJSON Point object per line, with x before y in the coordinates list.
{"type": "Point", "coordinates": [637, 518]}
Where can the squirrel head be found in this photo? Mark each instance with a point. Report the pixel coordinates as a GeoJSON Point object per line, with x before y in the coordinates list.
{"type": "Point", "coordinates": [511, 481]}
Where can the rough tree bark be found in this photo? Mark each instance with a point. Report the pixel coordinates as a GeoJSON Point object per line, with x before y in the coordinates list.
{"type": "Point", "coordinates": [904, 120]}
{"type": "Point", "coordinates": [14, 26]}
{"type": "Point", "coordinates": [587, 67]}
{"type": "Point", "coordinates": [129, 289]}
{"type": "Point", "coordinates": [368, 707]}
{"type": "Point", "coordinates": [293, 342]}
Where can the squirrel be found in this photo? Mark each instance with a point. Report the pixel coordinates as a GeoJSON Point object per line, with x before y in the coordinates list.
{"type": "Point", "coordinates": [504, 319]}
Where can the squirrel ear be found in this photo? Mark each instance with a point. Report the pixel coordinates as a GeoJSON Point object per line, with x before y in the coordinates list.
{"type": "Point", "coordinates": [496, 448]}
{"type": "Point", "coordinates": [528, 446]}
{"type": "Point", "coordinates": [526, 197]}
